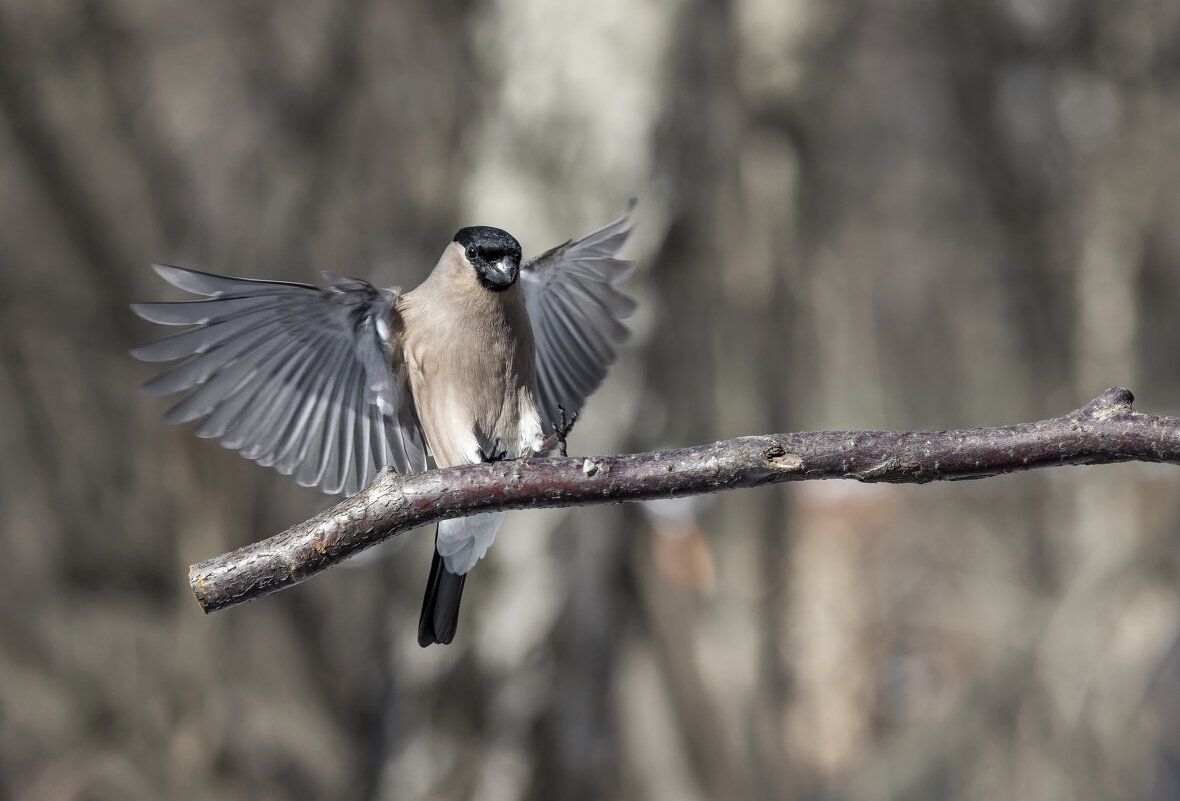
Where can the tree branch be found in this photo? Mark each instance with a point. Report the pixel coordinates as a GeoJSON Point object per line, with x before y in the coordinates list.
{"type": "Point", "coordinates": [1105, 431]}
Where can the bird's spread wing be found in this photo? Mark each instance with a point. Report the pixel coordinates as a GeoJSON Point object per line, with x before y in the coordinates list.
{"type": "Point", "coordinates": [575, 310]}
{"type": "Point", "coordinates": [294, 376]}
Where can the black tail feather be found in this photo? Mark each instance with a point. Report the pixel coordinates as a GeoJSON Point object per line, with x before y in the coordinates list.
{"type": "Point", "coordinates": [440, 607]}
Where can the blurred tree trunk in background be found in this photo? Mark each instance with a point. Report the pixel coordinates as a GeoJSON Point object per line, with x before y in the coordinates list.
{"type": "Point", "coordinates": [853, 214]}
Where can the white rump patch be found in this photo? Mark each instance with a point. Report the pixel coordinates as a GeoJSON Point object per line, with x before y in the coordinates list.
{"type": "Point", "coordinates": [463, 541]}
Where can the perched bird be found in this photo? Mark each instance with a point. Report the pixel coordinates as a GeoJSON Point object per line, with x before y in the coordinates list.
{"type": "Point", "coordinates": [332, 385]}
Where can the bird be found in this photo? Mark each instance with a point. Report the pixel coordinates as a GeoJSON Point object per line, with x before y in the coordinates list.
{"type": "Point", "coordinates": [480, 362]}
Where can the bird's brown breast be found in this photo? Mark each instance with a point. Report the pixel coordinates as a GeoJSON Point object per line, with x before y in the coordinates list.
{"type": "Point", "coordinates": [470, 360]}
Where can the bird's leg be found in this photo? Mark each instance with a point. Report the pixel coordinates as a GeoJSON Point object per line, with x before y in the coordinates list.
{"type": "Point", "coordinates": [564, 428]}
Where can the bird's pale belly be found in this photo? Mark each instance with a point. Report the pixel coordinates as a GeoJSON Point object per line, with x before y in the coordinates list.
{"type": "Point", "coordinates": [473, 413]}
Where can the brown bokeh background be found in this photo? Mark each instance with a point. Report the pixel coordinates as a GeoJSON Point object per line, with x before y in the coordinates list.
{"type": "Point", "coordinates": [853, 214]}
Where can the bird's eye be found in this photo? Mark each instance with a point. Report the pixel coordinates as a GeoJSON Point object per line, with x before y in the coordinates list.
{"type": "Point", "coordinates": [472, 253]}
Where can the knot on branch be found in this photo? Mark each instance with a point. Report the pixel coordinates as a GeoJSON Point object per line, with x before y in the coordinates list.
{"type": "Point", "coordinates": [1112, 403]}
{"type": "Point", "coordinates": [778, 459]}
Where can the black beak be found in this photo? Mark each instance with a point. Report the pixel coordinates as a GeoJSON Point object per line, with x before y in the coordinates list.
{"type": "Point", "coordinates": [503, 272]}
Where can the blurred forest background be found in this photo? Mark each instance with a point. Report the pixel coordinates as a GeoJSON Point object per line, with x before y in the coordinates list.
{"type": "Point", "coordinates": [853, 214]}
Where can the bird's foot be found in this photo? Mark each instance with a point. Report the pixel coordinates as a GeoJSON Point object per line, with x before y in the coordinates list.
{"type": "Point", "coordinates": [493, 456]}
{"type": "Point", "coordinates": [563, 429]}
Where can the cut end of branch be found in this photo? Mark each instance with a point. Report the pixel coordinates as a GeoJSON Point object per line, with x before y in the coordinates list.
{"type": "Point", "coordinates": [196, 580]}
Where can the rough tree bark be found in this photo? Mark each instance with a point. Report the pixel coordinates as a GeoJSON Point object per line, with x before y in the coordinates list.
{"type": "Point", "coordinates": [1105, 431]}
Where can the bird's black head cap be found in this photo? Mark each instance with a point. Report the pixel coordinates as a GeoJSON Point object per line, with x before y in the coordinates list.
{"type": "Point", "coordinates": [493, 253]}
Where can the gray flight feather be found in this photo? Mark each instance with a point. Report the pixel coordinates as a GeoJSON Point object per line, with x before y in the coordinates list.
{"type": "Point", "coordinates": [294, 376]}
{"type": "Point", "coordinates": [575, 309]}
